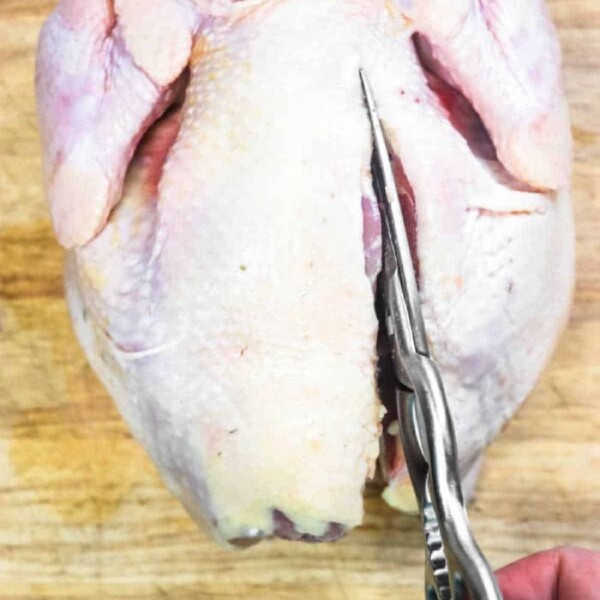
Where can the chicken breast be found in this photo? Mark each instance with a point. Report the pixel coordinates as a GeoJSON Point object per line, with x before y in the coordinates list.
{"type": "Point", "coordinates": [207, 165]}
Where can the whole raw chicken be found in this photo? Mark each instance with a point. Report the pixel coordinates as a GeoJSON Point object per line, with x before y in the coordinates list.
{"type": "Point", "coordinates": [207, 165]}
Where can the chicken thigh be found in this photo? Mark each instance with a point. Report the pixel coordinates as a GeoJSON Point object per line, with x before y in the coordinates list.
{"type": "Point", "coordinates": [207, 165]}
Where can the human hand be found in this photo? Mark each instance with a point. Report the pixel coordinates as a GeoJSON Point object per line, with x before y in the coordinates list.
{"type": "Point", "coordinates": [558, 574]}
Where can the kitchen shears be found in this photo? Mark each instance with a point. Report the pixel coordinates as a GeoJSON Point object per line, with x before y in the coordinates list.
{"type": "Point", "coordinates": [455, 567]}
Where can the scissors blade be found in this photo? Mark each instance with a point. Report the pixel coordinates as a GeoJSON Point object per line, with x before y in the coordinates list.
{"type": "Point", "coordinates": [384, 185]}
{"type": "Point", "coordinates": [455, 564]}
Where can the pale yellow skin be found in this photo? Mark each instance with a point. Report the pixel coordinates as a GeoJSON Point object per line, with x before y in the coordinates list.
{"type": "Point", "coordinates": [228, 310]}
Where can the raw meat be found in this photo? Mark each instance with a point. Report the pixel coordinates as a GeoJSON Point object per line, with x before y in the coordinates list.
{"type": "Point", "coordinates": [207, 167]}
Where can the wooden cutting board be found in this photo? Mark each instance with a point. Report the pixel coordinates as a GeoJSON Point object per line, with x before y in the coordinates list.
{"type": "Point", "coordinates": [83, 514]}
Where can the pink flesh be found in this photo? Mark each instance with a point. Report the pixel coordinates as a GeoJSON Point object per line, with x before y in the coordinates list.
{"type": "Point", "coordinates": [371, 237]}
{"type": "Point", "coordinates": [92, 85]}
{"type": "Point", "coordinates": [516, 37]}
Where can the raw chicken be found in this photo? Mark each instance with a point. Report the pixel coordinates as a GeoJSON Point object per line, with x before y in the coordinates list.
{"type": "Point", "coordinates": [207, 166]}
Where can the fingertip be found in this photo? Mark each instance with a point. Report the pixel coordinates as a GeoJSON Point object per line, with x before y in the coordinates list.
{"type": "Point", "coordinates": [559, 574]}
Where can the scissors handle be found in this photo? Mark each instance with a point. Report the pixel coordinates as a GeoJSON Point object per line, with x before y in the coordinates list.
{"type": "Point", "coordinates": [455, 567]}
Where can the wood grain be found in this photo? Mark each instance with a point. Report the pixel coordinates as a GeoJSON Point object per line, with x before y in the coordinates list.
{"type": "Point", "coordinates": [83, 514]}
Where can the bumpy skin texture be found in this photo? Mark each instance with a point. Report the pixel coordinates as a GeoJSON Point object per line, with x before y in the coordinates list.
{"type": "Point", "coordinates": [220, 272]}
